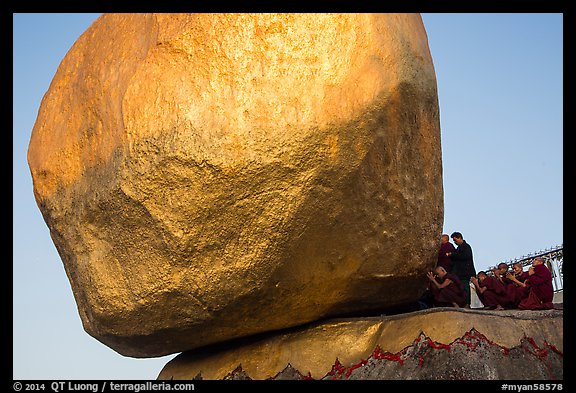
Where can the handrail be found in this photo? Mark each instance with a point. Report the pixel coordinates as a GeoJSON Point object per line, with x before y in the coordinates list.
{"type": "Point", "coordinates": [553, 257]}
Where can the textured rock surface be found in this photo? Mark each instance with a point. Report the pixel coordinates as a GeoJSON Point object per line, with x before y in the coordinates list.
{"type": "Point", "coordinates": [440, 343]}
{"type": "Point", "coordinates": [206, 177]}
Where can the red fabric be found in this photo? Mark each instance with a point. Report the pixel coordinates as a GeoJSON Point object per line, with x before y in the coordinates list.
{"type": "Point", "coordinates": [495, 293]}
{"type": "Point", "coordinates": [541, 283]}
{"type": "Point", "coordinates": [532, 302]}
{"type": "Point", "coordinates": [453, 293]}
{"type": "Point", "coordinates": [505, 280]}
{"type": "Point", "coordinates": [443, 260]}
{"type": "Point", "coordinates": [541, 290]}
{"type": "Point", "coordinates": [517, 293]}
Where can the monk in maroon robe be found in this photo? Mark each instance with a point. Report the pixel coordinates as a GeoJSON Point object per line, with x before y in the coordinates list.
{"type": "Point", "coordinates": [501, 272]}
{"type": "Point", "coordinates": [491, 291]}
{"type": "Point", "coordinates": [541, 289]}
{"type": "Point", "coordinates": [445, 248]}
{"type": "Point", "coordinates": [446, 288]}
{"type": "Point", "coordinates": [518, 288]}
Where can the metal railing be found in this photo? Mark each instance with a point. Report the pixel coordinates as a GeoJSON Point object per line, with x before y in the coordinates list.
{"type": "Point", "coordinates": [553, 258]}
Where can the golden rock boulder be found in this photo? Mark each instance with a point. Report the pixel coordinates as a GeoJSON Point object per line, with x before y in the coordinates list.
{"type": "Point", "coordinates": [211, 176]}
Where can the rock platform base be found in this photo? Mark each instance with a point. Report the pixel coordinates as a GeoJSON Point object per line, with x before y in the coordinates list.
{"type": "Point", "coordinates": [432, 344]}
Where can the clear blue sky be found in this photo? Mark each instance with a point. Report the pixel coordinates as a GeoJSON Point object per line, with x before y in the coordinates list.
{"type": "Point", "coordinates": [500, 92]}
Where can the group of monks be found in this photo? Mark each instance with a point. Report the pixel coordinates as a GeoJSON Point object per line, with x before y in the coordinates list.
{"type": "Point", "coordinates": [516, 289]}
{"type": "Point", "coordinates": [497, 290]}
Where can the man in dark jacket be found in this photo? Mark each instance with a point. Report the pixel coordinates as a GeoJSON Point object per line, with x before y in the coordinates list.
{"type": "Point", "coordinates": [462, 262]}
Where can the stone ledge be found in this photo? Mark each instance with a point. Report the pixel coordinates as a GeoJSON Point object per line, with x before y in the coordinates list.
{"type": "Point", "coordinates": [313, 351]}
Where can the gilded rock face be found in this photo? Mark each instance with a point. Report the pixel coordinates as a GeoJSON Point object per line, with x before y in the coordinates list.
{"type": "Point", "coordinates": [211, 176]}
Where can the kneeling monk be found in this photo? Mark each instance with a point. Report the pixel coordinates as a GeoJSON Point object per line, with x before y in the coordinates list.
{"type": "Point", "coordinates": [491, 291]}
{"type": "Point", "coordinates": [541, 289]}
{"type": "Point", "coordinates": [518, 288]}
{"type": "Point", "coordinates": [446, 289]}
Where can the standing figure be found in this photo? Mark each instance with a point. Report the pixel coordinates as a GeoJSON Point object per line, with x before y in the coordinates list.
{"type": "Point", "coordinates": [462, 263]}
{"type": "Point", "coordinates": [445, 248]}
{"type": "Point", "coordinates": [541, 289]}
